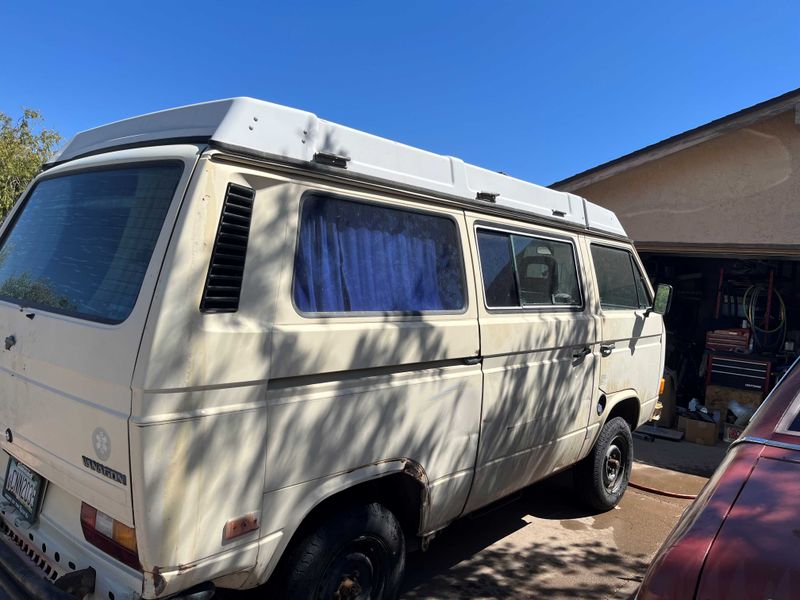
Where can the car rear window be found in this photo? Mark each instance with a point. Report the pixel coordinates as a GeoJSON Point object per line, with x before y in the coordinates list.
{"type": "Point", "coordinates": [82, 242]}
{"type": "Point", "coordinates": [795, 426]}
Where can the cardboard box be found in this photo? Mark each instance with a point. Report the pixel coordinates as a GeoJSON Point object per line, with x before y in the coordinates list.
{"type": "Point", "coordinates": [682, 424]}
{"type": "Point", "coordinates": [701, 432]}
{"type": "Point", "coordinates": [718, 396]}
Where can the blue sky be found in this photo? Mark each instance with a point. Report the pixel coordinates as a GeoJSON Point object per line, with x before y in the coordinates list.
{"type": "Point", "coordinates": [540, 90]}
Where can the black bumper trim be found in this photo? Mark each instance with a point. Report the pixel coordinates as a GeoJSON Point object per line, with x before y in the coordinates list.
{"type": "Point", "coordinates": [18, 580]}
{"type": "Point", "coordinates": [204, 591]}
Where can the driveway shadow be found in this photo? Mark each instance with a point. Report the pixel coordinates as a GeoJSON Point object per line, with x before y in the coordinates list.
{"type": "Point", "coordinates": [560, 556]}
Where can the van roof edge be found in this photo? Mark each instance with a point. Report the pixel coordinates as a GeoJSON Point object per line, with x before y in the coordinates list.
{"type": "Point", "coordinates": [271, 129]}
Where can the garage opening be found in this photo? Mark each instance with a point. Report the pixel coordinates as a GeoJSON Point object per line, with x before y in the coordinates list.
{"type": "Point", "coordinates": [732, 331]}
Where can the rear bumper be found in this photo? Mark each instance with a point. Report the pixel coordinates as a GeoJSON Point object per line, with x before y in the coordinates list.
{"type": "Point", "coordinates": [19, 581]}
{"type": "Point", "coordinates": [41, 559]}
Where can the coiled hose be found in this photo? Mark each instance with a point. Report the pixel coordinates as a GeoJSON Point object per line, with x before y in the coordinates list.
{"type": "Point", "coordinates": [750, 302]}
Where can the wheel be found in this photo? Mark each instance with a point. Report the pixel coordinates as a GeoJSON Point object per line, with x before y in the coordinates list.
{"type": "Point", "coordinates": [602, 477]}
{"type": "Point", "coordinates": [358, 554]}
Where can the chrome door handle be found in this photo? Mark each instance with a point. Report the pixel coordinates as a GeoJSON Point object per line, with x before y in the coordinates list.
{"type": "Point", "coordinates": [606, 349]}
{"type": "Point", "coordinates": [579, 353]}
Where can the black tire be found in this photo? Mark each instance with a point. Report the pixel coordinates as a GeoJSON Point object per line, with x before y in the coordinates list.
{"type": "Point", "coordinates": [602, 477]}
{"type": "Point", "coordinates": [358, 554]}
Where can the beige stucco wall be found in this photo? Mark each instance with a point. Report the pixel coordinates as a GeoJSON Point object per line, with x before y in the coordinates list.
{"type": "Point", "coordinates": [742, 188]}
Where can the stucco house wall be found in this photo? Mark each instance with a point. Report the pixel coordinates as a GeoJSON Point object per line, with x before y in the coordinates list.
{"type": "Point", "coordinates": [739, 189]}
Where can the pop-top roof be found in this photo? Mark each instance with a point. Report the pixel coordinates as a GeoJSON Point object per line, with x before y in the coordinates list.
{"type": "Point", "coordinates": [267, 129]}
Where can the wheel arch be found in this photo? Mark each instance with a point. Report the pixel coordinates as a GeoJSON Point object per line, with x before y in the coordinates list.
{"type": "Point", "coordinates": [624, 404]}
{"type": "Point", "coordinates": [399, 484]}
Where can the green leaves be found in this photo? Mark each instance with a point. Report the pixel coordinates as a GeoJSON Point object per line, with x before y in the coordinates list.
{"type": "Point", "coordinates": [25, 145]}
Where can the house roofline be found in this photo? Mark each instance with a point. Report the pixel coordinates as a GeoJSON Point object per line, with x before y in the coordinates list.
{"type": "Point", "coordinates": [687, 139]}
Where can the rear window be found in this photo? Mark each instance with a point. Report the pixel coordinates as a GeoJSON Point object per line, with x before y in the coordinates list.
{"type": "Point", "coordinates": [795, 426]}
{"type": "Point", "coordinates": [82, 242]}
{"type": "Point", "coordinates": [358, 257]}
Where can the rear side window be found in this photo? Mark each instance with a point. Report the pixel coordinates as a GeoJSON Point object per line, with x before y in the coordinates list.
{"type": "Point", "coordinates": [359, 257]}
{"type": "Point", "coordinates": [619, 280]}
{"type": "Point", "coordinates": [520, 270]}
{"type": "Point", "coordinates": [82, 242]}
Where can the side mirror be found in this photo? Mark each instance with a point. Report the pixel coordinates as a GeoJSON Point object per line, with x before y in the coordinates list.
{"type": "Point", "coordinates": [663, 299]}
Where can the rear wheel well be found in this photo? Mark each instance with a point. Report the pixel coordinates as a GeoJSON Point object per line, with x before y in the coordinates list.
{"type": "Point", "coordinates": [399, 492]}
{"type": "Point", "coordinates": [628, 409]}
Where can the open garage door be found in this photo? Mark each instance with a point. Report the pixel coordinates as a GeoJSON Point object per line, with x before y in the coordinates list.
{"type": "Point", "coordinates": [734, 325]}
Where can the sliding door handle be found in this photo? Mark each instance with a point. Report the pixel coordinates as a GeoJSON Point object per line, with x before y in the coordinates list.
{"type": "Point", "coordinates": [607, 349]}
{"type": "Point", "coordinates": [580, 352]}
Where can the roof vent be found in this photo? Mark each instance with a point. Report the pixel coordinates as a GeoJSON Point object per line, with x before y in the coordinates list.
{"type": "Point", "coordinates": [225, 273]}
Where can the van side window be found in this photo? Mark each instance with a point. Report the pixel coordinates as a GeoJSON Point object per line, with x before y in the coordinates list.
{"type": "Point", "coordinates": [619, 279]}
{"type": "Point", "coordinates": [359, 257]}
{"type": "Point", "coordinates": [520, 270]}
{"type": "Point", "coordinates": [497, 266]}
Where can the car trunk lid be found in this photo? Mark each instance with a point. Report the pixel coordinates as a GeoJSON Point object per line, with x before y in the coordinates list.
{"type": "Point", "coordinates": [754, 554]}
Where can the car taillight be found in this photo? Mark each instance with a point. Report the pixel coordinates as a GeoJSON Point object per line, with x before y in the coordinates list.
{"type": "Point", "coordinates": [111, 536]}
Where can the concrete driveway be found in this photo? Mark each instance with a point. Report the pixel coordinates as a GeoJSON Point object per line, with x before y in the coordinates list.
{"type": "Point", "coordinates": [544, 544]}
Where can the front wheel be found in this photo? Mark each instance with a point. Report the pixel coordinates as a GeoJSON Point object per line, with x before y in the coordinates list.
{"type": "Point", "coordinates": [356, 555]}
{"type": "Point", "coordinates": [602, 477]}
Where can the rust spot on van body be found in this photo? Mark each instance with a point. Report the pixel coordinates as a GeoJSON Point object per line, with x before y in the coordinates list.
{"type": "Point", "coordinates": [158, 581]}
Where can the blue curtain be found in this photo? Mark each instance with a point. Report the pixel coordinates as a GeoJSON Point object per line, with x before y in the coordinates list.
{"type": "Point", "coordinates": [361, 257]}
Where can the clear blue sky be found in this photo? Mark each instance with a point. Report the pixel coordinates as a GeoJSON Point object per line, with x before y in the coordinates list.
{"type": "Point", "coordinates": [540, 90]}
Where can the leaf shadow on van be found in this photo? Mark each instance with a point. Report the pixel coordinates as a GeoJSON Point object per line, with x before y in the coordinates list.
{"type": "Point", "coordinates": [260, 410]}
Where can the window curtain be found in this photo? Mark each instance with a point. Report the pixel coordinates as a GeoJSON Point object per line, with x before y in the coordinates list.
{"type": "Point", "coordinates": [360, 257]}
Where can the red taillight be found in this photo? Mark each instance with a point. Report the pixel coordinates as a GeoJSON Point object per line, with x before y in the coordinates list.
{"type": "Point", "coordinates": [112, 537]}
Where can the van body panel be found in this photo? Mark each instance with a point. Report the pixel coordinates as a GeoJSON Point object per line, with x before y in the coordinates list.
{"type": "Point", "coordinates": [537, 395]}
{"type": "Point", "coordinates": [349, 391]}
{"type": "Point", "coordinates": [428, 415]}
{"type": "Point", "coordinates": [199, 417]}
{"type": "Point", "coordinates": [635, 362]}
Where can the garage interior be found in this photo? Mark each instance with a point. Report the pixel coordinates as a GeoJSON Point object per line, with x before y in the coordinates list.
{"type": "Point", "coordinates": [732, 330]}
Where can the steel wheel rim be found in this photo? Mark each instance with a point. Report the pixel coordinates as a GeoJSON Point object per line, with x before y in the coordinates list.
{"type": "Point", "coordinates": [615, 463]}
{"type": "Point", "coordinates": [357, 571]}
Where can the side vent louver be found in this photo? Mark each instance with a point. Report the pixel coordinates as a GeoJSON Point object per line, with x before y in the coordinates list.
{"type": "Point", "coordinates": [224, 279]}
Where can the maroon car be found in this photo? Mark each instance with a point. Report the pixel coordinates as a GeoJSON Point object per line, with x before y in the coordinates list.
{"type": "Point", "coordinates": [741, 536]}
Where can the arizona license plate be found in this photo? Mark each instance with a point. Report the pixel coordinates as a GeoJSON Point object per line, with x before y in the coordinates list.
{"type": "Point", "coordinates": [23, 488]}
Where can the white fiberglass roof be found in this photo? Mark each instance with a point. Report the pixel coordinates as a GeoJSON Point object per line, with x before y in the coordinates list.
{"type": "Point", "coordinates": [267, 129]}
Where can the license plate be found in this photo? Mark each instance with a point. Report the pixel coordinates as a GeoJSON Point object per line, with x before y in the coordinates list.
{"type": "Point", "coordinates": [24, 489]}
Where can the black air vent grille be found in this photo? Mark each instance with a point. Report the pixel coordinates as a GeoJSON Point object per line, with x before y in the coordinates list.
{"type": "Point", "coordinates": [224, 280]}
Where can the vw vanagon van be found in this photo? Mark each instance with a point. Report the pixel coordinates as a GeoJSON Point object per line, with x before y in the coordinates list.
{"type": "Point", "coordinates": [244, 345]}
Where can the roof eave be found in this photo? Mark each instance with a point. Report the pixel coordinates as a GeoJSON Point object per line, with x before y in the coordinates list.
{"type": "Point", "coordinates": [743, 118]}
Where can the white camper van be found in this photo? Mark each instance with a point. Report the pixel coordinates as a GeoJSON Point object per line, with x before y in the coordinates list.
{"type": "Point", "coordinates": [242, 344]}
